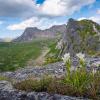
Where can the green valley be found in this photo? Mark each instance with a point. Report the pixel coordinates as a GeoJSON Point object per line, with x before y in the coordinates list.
{"type": "Point", "coordinates": [16, 55]}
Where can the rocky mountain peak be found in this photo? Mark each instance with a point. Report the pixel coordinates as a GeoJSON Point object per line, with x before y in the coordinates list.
{"type": "Point", "coordinates": [80, 36]}
{"type": "Point", "coordinates": [31, 33]}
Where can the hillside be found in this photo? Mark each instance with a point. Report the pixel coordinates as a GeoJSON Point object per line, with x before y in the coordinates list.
{"type": "Point", "coordinates": [16, 55]}
{"type": "Point", "coordinates": [32, 33]}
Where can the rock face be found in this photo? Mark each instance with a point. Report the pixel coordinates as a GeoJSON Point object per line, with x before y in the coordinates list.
{"type": "Point", "coordinates": [32, 33]}
{"type": "Point", "coordinates": [55, 69]}
{"type": "Point", "coordinates": [7, 92]}
{"type": "Point", "coordinates": [80, 36]}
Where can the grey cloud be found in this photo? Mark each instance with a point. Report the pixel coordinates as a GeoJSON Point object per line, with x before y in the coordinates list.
{"type": "Point", "coordinates": [15, 8]}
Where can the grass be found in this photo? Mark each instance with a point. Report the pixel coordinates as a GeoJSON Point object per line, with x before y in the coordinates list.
{"type": "Point", "coordinates": [16, 55]}
{"type": "Point", "coordinates": [3, 78]}
{"type": "Point", "coordinates": [34, 84]}
{"type": "Point", "coordinates": [52, 55]}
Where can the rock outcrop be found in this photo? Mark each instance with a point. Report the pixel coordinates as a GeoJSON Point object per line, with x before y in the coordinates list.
{"type": "Point", "coordinates": [80, 36]}
{"type": "Point", "coordinates": [55, 69]}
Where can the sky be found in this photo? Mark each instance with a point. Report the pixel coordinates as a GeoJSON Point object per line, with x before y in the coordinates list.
{"type": "Point", "coordinates": [16, 15]}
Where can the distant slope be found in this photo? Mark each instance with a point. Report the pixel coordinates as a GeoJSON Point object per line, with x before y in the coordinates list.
{"type": "Point", "coordinates": [1, 40]}
{"type": "Point", "coordinates": [5, 40]}
{"type": "Point", "coordinates": [32, 33]}
{"type": "Point", "coordinates": [16, 55]}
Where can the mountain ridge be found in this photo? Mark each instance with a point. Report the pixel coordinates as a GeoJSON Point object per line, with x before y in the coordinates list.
{"type": "Point", "coordinates": [32, 33]}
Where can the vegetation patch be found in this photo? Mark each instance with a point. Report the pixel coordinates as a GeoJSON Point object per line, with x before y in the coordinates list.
{"type": "Point", "coordinates": [3, 78]}
{"type": "Point", "coordinates": [16, 55]}
{"type": "Point", "coordinates": [34, 84]}
{"type": "Point", "coordinates": [52, 55]}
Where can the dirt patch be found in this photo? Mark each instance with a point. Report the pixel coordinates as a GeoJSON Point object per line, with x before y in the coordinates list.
{"type": "Point", "coordinates": [40, 60]}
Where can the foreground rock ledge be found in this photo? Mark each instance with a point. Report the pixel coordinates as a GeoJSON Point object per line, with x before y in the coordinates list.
{"type": "Point", "coordinates": [7, 92]}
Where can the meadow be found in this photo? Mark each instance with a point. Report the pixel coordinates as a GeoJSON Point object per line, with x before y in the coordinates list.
{"type": "Point", "coordinates": [16, 55]}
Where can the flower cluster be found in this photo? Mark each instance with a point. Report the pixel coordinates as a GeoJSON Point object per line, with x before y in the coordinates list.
{"type": "Point", "coordinates": [96, 64]}
{"type": "Point", "coordinates": [81, 56]}
{"type": "Point", "coordinates": [94, 71]}
{"type": "Point", "coordinates": [82, 62]}
{"type": "Point", "coordinates": [66, 57]}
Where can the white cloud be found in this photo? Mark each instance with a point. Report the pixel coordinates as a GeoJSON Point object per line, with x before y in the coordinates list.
{"type": "Point", "coordinates": [98, 11]}
{"type": "Point", "coordinates": [41, 23]}
{"type": "Point", "coordinates": [93, 18]}
{"type": "Point", "coordinates": [27, 8]}
{"type": "Point", "coordinates": [82, 18]}
{"type": "Point", "coordinates": [62, 7]}
{"type": "Point", "coordinates": [96, 19]}
{"type": "Point", "coordinates": [42, 12]}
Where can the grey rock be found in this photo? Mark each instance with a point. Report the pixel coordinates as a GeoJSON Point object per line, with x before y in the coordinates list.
{"type": "Point", "coordinates": [5, 85]}
{"type": "Point", "coordinates": [55, 69]}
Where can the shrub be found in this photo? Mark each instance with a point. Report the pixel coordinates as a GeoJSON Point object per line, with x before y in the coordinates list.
{"type": "Point", "coordinates": [51, 60]}
{"type": "Point", "coordinates": [93, 90]}
{"type": "Point", "coordinates": [57, 86]}
{"type": "Point", "coordinates": [34, 84]}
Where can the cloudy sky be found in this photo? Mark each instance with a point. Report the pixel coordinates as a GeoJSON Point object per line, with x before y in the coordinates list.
{"type": "Point", "coordinates": [16, 15]}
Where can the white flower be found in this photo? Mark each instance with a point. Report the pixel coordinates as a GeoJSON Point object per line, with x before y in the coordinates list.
{"type": "Point", "coordinates": [94, 71]}
{"type": "Point", "coordinates": [66, 57]}
{"type": "Point", "coordinates": [59, 45]}
{"type": "Point", "coordinates": [81, 56]}
{"type": "Point", "coordinates": [72, 68]}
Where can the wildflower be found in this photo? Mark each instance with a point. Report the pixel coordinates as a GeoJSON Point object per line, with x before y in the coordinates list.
{"type": "Point", "coordinates": [94, 71]}
{"type": "Point", "coordinates": [72, 68]}
{"type": "Point", "coordinates": [81, 56]}
{"type": "Point", "coordinates": [59, 45]}
{"type": "Point", "coordinates": [66, 57]}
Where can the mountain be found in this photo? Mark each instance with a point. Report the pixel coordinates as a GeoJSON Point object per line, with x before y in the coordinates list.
{"type": "Point", "coordinates": [31, 33]}
{"type": "Point", "coordinates": [80, 36]}
{"type": "Point", "coordinates": [1, 40]}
